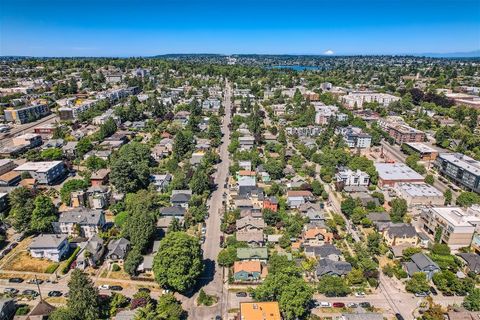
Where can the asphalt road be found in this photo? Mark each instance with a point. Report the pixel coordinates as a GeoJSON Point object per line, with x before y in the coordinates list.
{"type": "Point", "coordinates": [212, 279]}
{"type": "Point", "coordinates": [25, 128]}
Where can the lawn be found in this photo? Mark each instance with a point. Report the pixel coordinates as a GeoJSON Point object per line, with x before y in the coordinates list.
{"type": "Point", "coordinates": [22, 261]}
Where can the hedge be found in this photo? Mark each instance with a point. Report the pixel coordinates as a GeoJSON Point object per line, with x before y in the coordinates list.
{"type": "Point", "coordinates": [69, 261]}
{"type": "Point", "coordinates": [51, 268]}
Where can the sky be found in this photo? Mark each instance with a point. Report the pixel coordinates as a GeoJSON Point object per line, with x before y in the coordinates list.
{"type": "Point", "coordinates": [147, 27]}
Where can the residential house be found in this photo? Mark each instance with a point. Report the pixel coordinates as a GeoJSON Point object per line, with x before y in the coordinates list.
{"type": "Point", "coordinates": [246, 143]}
{"type": "Point", "coordinates": [253, 237]}
{"type": "Point", "coordinates": [80, 221]}
{"type": "Point", "coordinates": [381, 220]}
{"type": "Point", "coordinates": [355, 137]}
{"type": "Point", "coordinates": [117, 250]}
{"type": "Point", "coordinates": [252, 254]}
{"type": "Point", "coordinates": [326, 251]}
{"type": "Point", "coordinates": [173, 211]}
{"type": "Point", "coordinates": [247, 271]}
{"type": "Point", "coordinates": [98, 197]}
{"type": "Point", "coordinates": [49, 246]}
{"type": "Point", "coordinates": [70, 149]}
{"type": "Point", "coordinates": [250, 223]}
{"type": "Point", "coordinates": [91, 253]}
{"type": "Point", "coordinates": [421, 263]}
{"type": "Point", "coordinates": [161, 181]}
{"type": "Point", "coordinates": [99, 177]}
{"type": "Point", "coordinates": [400, 233]}
{"type": "Point", "coordinates": [471, 262]}
{"type": "Point", "coordinates": [260, 311]}
{"type": "Point", "coordinates": [271, 203]}
{"type": "Point", "coordinates": [296, 198]}
{"type": "Point", "coordinates": [332, 268]}
{"type": "Point", "coordinates": [181, 198]}
{"type": "Point", "coordinates": [316, 236]}
{"type": "Point", "coordinates": [348, 178]}
{"type": "Point", "coordinates": [245, 165]}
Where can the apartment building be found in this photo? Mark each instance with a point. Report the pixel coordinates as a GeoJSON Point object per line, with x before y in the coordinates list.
{"type": "Point", "coordinates": [44, 172]}
{"type": "Point", "coordinates": [356, 99]}
{"type": "Point", "coordinates": [460, 168]}
{"type": "Point", "coordinates": [355, 137]}
{"type": "Point", "coordinates": [453, 226]}
{"type": "Point", "coordinates": [30, 140]}
{"type": "Point", "coordinates": [346, 178]}
{"type": "Point", "coordinates": [26, 114]}
{"type": "Point", "coordinates": [74, 111]}
{"type": "Point", "coordinates": [81, 221]}
{"type": "Point", "coordinates": [6, 165]}
{"type": "Point", "coordinates": [400, 131]}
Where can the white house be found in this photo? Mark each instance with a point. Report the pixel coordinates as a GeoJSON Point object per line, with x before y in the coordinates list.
{"type": "Point", "coordinates": [352, 178]}
{"type": "Point", "coordinates": [80, 222]}
{"type": "Point", "coordinates": [49, 246]}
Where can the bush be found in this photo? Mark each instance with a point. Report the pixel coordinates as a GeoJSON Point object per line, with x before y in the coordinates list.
{"type": "Point", "coordinates": [69, 261]}
{"type": "Point", "coordinates": [51, 268]}
{"type": "Point", "coordinates": [205, 299]}
{"type": "Point", "coordinates": [22, 310]}
{"type": "Point", "coordinates": [115, 267]}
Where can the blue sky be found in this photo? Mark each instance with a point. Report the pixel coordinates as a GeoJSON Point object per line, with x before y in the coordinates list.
{"type": "Point", "coordinates": [143, 28]}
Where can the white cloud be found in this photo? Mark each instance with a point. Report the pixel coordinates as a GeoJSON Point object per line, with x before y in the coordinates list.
{"type": "Point", "coordinates": [328, 52]}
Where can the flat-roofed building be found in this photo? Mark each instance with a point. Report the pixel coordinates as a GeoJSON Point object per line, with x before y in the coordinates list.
{"type": "Point", "coordinates": [401, 132]}
{"type": "Point", "coordinates": [453, 226]}
{"type": "Point", "coordinates": [389, 174]}
{"type": "Point", "coordinates": [6, 165]}
{"type": "Point", "coordinates": [355, 100]}
{"type": "Point", "coordinates": [31, 140]}
{"type": "Point", "coordinates": [26, 114]}
{"type": "Point", "coordinates": [355, 137]}
{"type": "Point", "coordinates": [260, 311]}
{"type": "Point", "coordinates": [425, 152]}
{"type": "Point", "coordinates": [74, 111]}
{"type": "Point", "coordinates": [461, 169]}
{"type": "Point", "coordinates": [419, 194]}
{"type": "Point", "coordinates": [44, 172]}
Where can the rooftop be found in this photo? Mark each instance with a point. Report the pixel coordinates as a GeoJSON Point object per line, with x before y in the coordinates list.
{"type": "Point", "coordinates": [460, 160]}
{"type": "Point", "coordinates": [397, 171]}
{"type": "Point", "coordinates": [260, 310]}
{"type": "Point", "coordinates": [419, 190]}
{"type": "Point", "coordinates": [421, 147]}
{"type": "Point", "coordinates": [42, 166]}
{"type": "Point", "coordinates": [456, 216]}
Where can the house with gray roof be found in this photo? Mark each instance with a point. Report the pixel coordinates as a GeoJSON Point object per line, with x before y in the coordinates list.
{"type": "Point", "coordinates": [325, 251]}
{"type": "Point", "coordinates": [252, 254]}
{"type": "Point", "coordinates": [80, 221]}
{"type": "Point", "coordinates": [49, 246]}
{"type": "Point", "coordinates": [332, 268]}
{"type": "Point", "coordinates": [173, 211]}
{"type": "Point", "coordinates": [400, 233]}
{"type": "Point", "coordinates": [117, 250]}
{"type": "Point", "coordinates": [421, 263]}
{"type": "Point", "coordinates": [95, 248]}
{"type": "Point", "coordinates": [181, 198]}
{"type": "Point", "coordinates": [471, 261]}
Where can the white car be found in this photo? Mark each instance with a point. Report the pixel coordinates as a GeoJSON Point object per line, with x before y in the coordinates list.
{"type": "Point", "coordinates": [359, 294]}
{"type": "Point", "coordinates": [325, 304]}
{"type": "Point", "coordinates": [104, 287]}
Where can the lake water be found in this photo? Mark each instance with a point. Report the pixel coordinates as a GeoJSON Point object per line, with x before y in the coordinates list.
{"type": "Point", "coordinates": [296, 68]}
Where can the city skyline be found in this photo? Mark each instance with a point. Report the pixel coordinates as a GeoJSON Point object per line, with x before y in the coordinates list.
{"type": "Point", "coordinates": [123, 29]}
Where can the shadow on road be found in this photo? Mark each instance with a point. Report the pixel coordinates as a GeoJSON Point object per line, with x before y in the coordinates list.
{"type": "Point", "coordinates": [206, 277]}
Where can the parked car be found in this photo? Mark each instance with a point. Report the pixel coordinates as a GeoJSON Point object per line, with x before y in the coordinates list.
{"type": "Point", "coordinates": [359, 294]}
{"type": "Point", "coordinates": [144, 290]}
{"type": "Point", "coordinates": [352, 305]}
{"type": "Point", "coordinates": [338, 305]}
{"type": "Point", "coordinates": [399, 316]}
{"type": "Point", "coordinates": [35, 281]}
{"type": "Point", "coordinates": [218, 317]}
{"type": "Point", "coordinates": [448, 293]}
{"type": "Point", "coordinates": [421, 294]}
{"type": "Point", "coordinates": [103, 287]}
{"type": "Point", "coordinates": [241, 294]}
{"type": "Point", "coordinates": [325, 304]}
{"type": "Point", "coordinates": [116, 288]}
{"type": "Point", "coordinates": [54, 293]}
{"type": "Point", "coordinates": [15, 280]}
{"type": "Point", "coordinates": [29, 292]}
{"type": "Point", "coordinates": [10, 291]}
{"type": "Point", "coordinates": [433, 291]}
{"type": "Point", "coordinates": [365, 304]}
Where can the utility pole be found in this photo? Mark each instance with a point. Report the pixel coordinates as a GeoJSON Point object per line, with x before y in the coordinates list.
{"type": "Point", "coordinates": [38, 286]}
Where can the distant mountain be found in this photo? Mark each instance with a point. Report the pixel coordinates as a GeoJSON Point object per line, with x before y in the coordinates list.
{"type": "Point", "coordinates": [469, 54]}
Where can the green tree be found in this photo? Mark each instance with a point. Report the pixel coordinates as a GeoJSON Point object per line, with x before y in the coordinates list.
{"type": "Point", "coordinates": [472, 301]}
{"type": "Point", "coordinates": [43, 214]}
{"type": "Point", "coordinates": [21, 206]}
{"type": "Point", "coordinates": [83, 146]}
{"type": "Point", "coordinates": [83, 296]}
{"type": "Point", "coordinates": [117, 301]}
{"type": "Point", "coordinates": [333, 286]}
{"type": "Point", "coordinates": [62, 313]}
{"type": "Point", "coordinates": [399, 208]}
{"type": "Point", "coordinates": [169, 308]}
{"type": "Point", "coordinates": [200, 181]}
{"type": "Point", "coordinates": [139, 228]}
{"type": "Point", "coordinates": [418, 283]}
{"type": "Point", "coordinates": [95, 163]}
{"type": "Point", "coordinates": [52, 154]}
{"type": "Point", "coordinates": [70, 186]}
{"type": "Point", "coordinates": [429, 179]}
{"type": "Point", "coordinates": [227, 256]}
{"type": "Point", "coordinates": [131, 167]}
{"type": "Point", "coordinates": [178, 262]}
{"type": "Point", "coordinates": [133, 260]}
{"type": "Point", "coordinates": [466, 199]}
{"type": "Point", "coordinates": [448, 196]}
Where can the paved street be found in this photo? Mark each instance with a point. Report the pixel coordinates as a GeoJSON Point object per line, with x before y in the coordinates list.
{"type": "Point", "coordinates": [213, 277]}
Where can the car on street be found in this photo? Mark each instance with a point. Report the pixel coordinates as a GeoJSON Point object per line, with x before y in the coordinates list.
{"type": "Point", "coordinates": [338, 305]}
{"type": "Point", "coordinates": [399, 316]}
{"type": "Point", "coordinates": [421, 294]}
{"type": "Point", "coordinates": [352, 305]}
{"type": "Point", "coordinates": [325, 304]}
{"type": "Point", "coordinates": [218, 317]}
{"type": "Point", "coordinates": [433, 291]}
{"type": "Point", "coordinates": [365, 304]}
{"type": "Point", "coordinates": [241, 294]}
{"type": "Point", "coordinates": [10, 291]}
{"type": "Point", "coordinates": [35, 281]}
{"type": "Point", "coordinates": [55, 293]}
{"type": "Point", "coordinates": [15, 280]}
{"type": "Point", "coordinates": [30, 292]}
{"type": "Point", "coordinates": [116, 288]}
{"type": "Point", "coordinates": [103, 287]}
